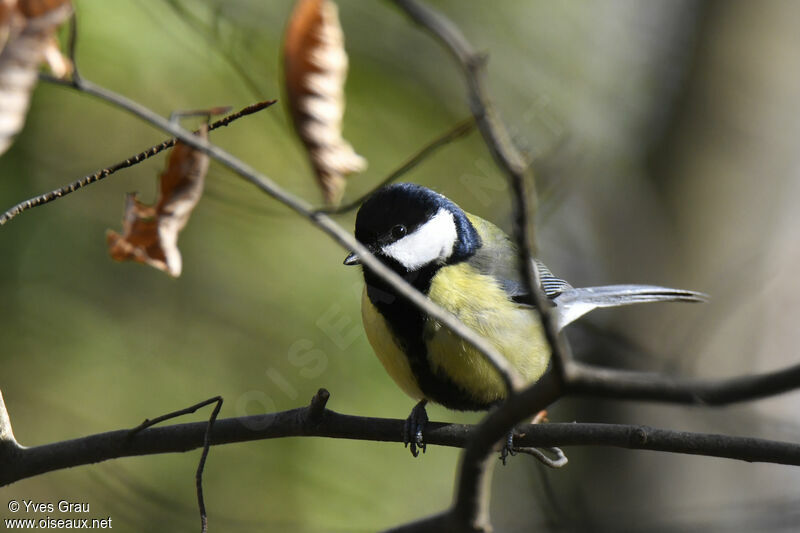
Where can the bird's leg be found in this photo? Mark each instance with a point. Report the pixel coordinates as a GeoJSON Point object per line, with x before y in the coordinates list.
{"type": "Point", "coordinates": [508, 448]}
{"type": "Point", "coordinates": [415, 423]}
{"type": "Point", "coordinates": [556, 459]}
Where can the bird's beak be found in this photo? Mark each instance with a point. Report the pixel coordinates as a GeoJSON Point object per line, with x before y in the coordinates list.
{"type": "Point", "coordinates": [352, 259]}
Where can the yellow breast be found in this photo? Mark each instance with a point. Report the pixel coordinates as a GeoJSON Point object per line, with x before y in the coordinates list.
{"type": "Point", "coordinates": [482, 304]}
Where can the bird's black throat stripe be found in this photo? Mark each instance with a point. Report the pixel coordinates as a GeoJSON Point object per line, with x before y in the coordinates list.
{"type": "Point", "coordinates": [407, 324]}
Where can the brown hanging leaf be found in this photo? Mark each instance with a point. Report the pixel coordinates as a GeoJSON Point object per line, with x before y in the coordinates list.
{"type": "Point", "coordinates": [150, 232]}
{"type": "Point", "coordinates": [315, 67]}
{"type": "Point", "coordinates": [27, 37]}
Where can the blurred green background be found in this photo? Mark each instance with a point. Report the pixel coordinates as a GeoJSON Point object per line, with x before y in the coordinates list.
{"type": "Point", "coordinates": [664, 136]}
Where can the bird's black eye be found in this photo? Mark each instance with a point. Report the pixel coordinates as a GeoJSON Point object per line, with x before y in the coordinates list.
{"type": "Point", "coordinates": [399, 231]}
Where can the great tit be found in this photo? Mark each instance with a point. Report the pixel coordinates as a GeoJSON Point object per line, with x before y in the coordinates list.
{"type": "Point", "coordinates": [468, 266]}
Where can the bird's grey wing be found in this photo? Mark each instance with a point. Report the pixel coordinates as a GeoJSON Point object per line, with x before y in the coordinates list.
{"type": "Point", "coordinates": [497, 257]}
{"type": "Point", "coordinates": [571, 303]}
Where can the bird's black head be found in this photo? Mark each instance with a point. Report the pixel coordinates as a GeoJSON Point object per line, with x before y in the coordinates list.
{"type": "Point", "coordinates": [411, 227]}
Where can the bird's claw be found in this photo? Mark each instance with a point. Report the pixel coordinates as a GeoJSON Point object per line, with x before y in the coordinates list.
{"type": "Point", "coordinates": [508, 448]}
{"type": "Point", "coordinates": [413, 429]}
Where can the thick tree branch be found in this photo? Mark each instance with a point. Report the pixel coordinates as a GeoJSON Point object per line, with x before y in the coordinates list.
{"type": "Point", "coordinates": [318, 421]}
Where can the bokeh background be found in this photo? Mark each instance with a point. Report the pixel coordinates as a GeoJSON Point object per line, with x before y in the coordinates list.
{"type": "Point", "coordinates": [665, 139]}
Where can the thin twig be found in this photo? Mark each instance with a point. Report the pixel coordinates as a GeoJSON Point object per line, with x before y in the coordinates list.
{"type": "Point", "coordinates": [317, 406]}
{"type": "Point", "coordinates": [174, 414]}
{"type": "Point", "coordinates": [206, 446]}
{"type": "Point", "coordinates": [461, 129]}
{"type": "Point", "coordinates": [32, 461]}
{"type": "Point", "coordinates": [214, 111]}
{"type": "Point", "coordinates": [133, 160]}
{"type": "Point", "coordinates": [201, 504]}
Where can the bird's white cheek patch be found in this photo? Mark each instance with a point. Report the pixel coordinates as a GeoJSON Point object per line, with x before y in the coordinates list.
{"type": "Point", "coordinates": [431, 242]}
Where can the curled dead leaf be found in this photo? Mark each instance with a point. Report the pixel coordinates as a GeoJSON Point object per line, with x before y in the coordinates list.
{"type": "Point", "coordinates": [27, 36]}
{"type": "Point", "coordinates": [315, 68]}
{"type": "Point", "coordinates": [150, 232]}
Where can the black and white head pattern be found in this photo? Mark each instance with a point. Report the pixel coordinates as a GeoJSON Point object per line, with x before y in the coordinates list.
{"type": "Point", "coordinates": [413, 227]}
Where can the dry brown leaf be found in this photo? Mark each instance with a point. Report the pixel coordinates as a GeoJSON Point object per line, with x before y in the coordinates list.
{"type": "Point", "coordinates": [315, 67]}
{"type": "Point", "coordinates": [150, 232]}
{"type": "Point", "coordinates": [27, 37]}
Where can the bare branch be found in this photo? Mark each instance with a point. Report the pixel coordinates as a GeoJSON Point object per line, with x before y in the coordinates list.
{"type": "Point", "coordinates": [317, 406]}
{"type": "Point", "coordinates": [201, 504]}
{"type": "Point", "coordinates": [635, 437]}
{"type": "Point", "coordinates": [317, 421]}
{"type": "Point", "coordinates": [472, 496]}
{"type": "Point", "coordinates": [106, 172]}
{"type": "Point", "coordinates": [471, 505]}
{"type": "Point", "coordinates": [206, 446]}
{"type": "Point", "coordinates": [588, 380]}
{"type": "Point", "coordinates": [174, 414]}
{"type": "Point", "coordinates": [506, 155]}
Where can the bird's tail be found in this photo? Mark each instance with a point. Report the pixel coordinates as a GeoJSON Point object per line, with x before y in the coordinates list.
{"type": "Point", "coordinates": [574, 303]}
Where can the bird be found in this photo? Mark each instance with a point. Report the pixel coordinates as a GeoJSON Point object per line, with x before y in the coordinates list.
{"type": "Point", "coordinates": [469, 267]}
